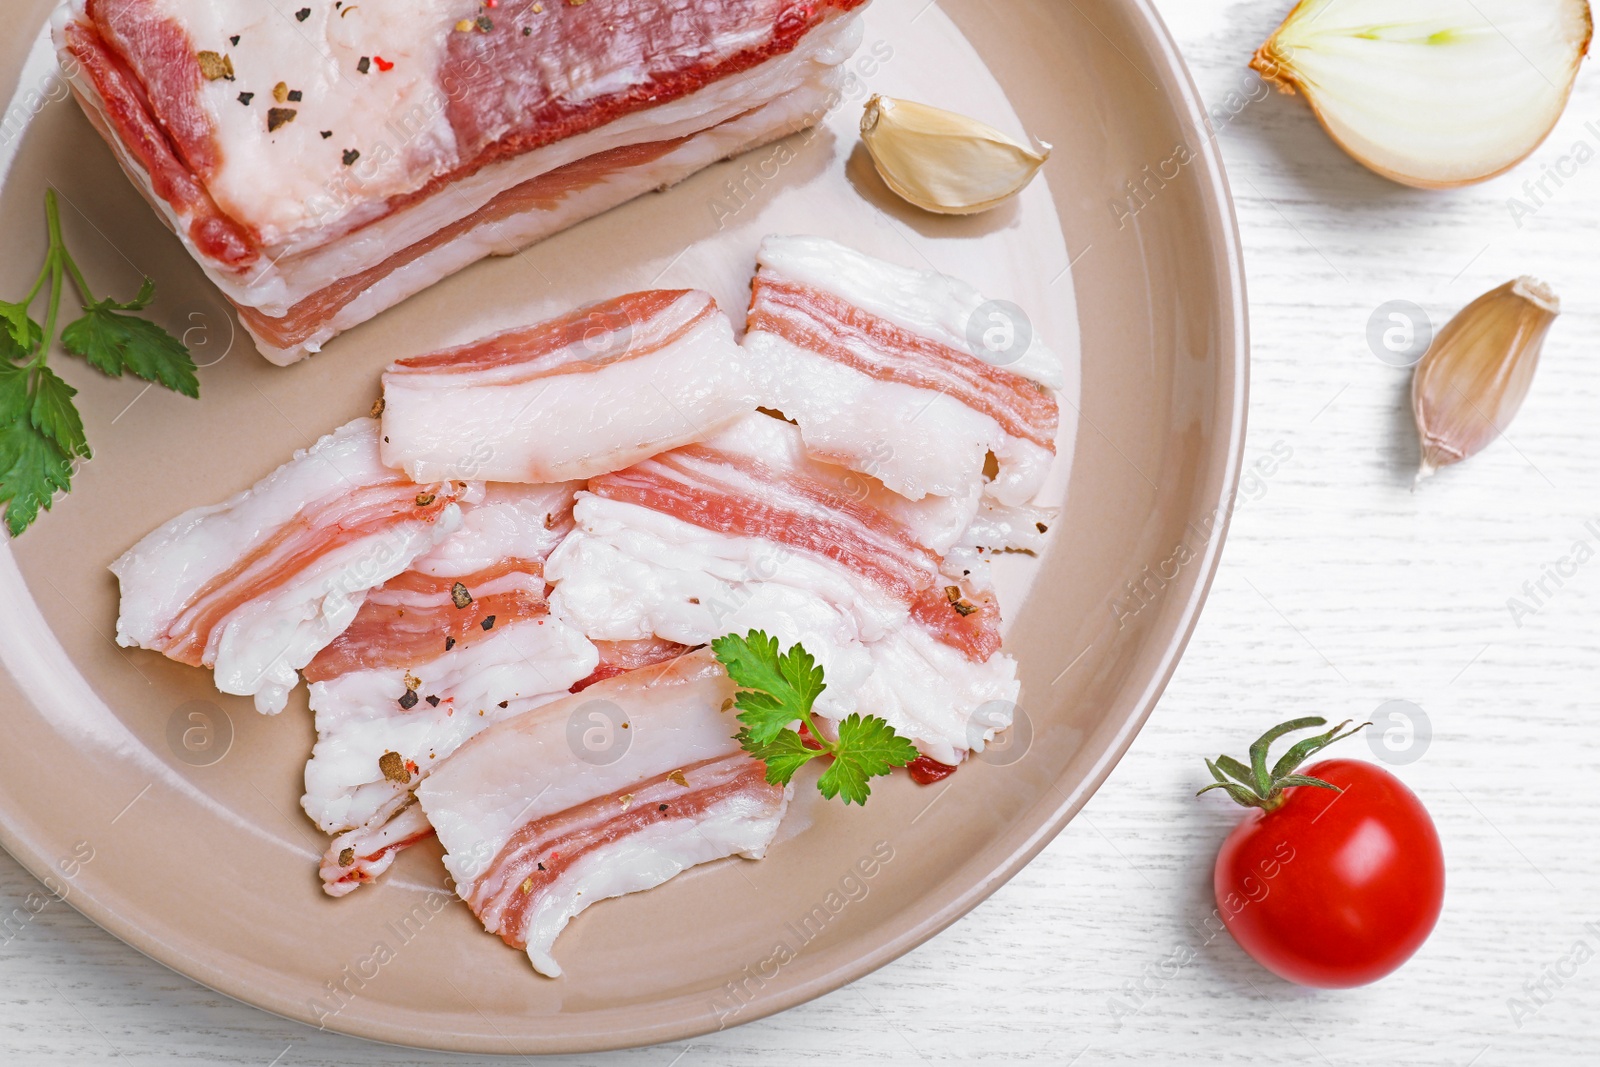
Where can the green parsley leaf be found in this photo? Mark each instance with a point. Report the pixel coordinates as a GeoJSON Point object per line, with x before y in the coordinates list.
{"type": "Point", "coordinates": [19, 334]}
{"type": "Point", "coordinates": [777, 689]}
{"type": "Point", "coordinates": [114, 343]}
{"type": "Point", "coordinates": [867, 748]}
{"type": "Point", "coordinates": [53, 414]}
{"type": "Point", "coordinates": [783, 756]}
{"type": "Point", "coordinates": [32, 470]}
{"type": "Point", "coordinates": [15, 403]}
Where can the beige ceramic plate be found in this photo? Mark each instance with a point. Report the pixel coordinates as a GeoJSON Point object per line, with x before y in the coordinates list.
{"type": "Point", "coordinates": [169, 814]}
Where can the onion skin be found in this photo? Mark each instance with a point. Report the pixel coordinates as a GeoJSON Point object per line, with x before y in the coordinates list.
{"type": "Point", "coordinates": [1274, 67]}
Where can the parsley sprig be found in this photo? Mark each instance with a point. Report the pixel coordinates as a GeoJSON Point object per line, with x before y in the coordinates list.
{"type": "Point", "coordinates": [41, 432]}
{"type": "Point", "coordinates": [775, 691]}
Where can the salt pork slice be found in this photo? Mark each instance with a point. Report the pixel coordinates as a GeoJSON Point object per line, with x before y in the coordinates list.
{"type": "Point", "coordinates": [611, 791]}
{"type": "Point", "coordinates": [256, 586]}
{"type": "Point", "coordinates": [747, 532]}
{"type": "Point", "coordinates": [460, 641]}
{"type": "Point", "coordinates": [589, 392]}
{"type": "Point", "coordinates": [324, 161]}
{"type": "Point", "coordinates": [910, 376]}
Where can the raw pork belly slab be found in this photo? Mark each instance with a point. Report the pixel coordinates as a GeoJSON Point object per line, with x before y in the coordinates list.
{"type": "Point", "coordinates": [256, 586]}
{"type": "Point", "coordinates": [590, 392]}
{"type": "Point", "coordinates": [457, 643]}
{"type": "Point", "coordinates": [545, 814]}
{"type": "Point", "coordinates": [747, 532]}
{"type": "Point", "coordinates": [877, 365]}
{"type": "Point", "coordinates": [323, 162]}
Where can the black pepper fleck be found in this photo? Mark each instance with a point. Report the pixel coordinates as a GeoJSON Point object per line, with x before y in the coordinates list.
{"type": "Point", "coordinates": [279, 116]}
{"type": "Point", "coordinates": [245, 98]}
{"type": "Point", "coordinates": [364, 65]}
{"type": "Point", "coordinates": [295, 96]}
{"type": "Point", "coordinates": [409, 701]}
{"type": "Point", "coordinates": [488, 622]}
{"type": "Point", "coordinates": [485, 23]}
{"type": "Point", "coordinates": [661, 807]}
{"type": "Point", "coordinates": [350, 156]}
{"type": "Point", "coordinates": [303, 14]}
{"type": "Point", "coordinates": [505, 703]}
{"type": "Point", "coordinates": [449, 643]}
{"type": "Point", "coordinates": [326, 134]}
{"type": "Point", "coordinates": [432, 701]}
{"type": "Point", "coordinates": [234, 40]}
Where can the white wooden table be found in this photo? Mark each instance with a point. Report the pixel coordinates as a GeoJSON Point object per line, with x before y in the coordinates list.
{"type": "Point", "coordinates": [1340, 590]}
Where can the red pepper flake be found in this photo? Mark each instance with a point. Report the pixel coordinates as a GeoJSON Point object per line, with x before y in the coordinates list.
{"type": "Point", "coordinates": [350, 156]}
{"type": "Point", "coordinates": [383, 64]}
{"type": "Point", "coordinates": [364, 65]}
{"type": "Point", "coordinates": [925, 770]}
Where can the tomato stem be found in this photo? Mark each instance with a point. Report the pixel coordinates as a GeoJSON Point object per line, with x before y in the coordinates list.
{"type": "Point", "coordinates": [1257, 786]}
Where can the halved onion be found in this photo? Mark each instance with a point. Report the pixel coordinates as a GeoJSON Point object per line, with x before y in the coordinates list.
{"type": "Point", "coordinates": [1432, 93]}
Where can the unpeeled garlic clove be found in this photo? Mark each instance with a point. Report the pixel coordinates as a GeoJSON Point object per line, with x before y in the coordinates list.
{"type": "Point", "coordinates": [1432, 93]}
{"type": "Point", "coordinates": [1475, 375]}
{"type": "Point", "coordinates": [943, 161]}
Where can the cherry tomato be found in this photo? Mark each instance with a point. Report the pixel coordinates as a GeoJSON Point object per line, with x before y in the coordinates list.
{"type": "Point", "coordinates": [1333, 889]}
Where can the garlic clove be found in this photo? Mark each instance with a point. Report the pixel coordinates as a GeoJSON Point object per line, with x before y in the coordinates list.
{"type": "Point", "coordinates": [1476, 374]}
{"type": "Point", "coordinates": [1432, 93]}
{"type": "Point", "coordinates": [943, 161]}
